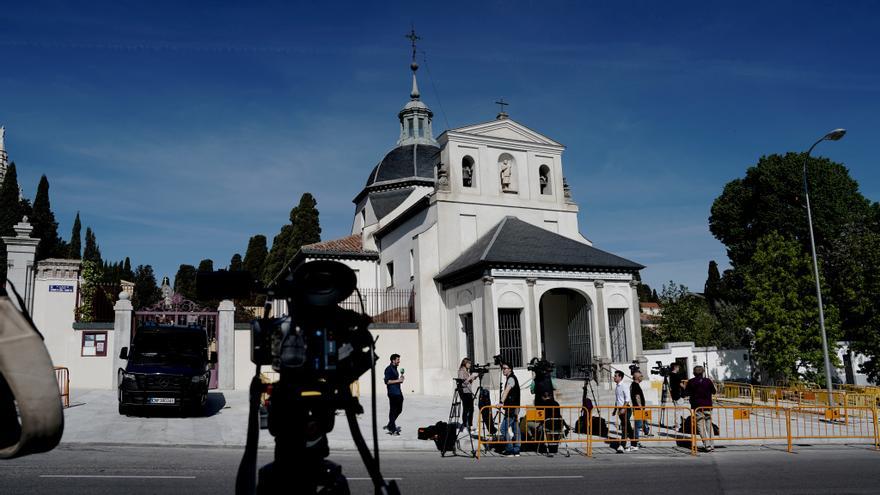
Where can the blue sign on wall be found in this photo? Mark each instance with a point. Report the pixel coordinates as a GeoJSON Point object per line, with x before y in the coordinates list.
{"type": "Point", "coordinates": [60, 288]}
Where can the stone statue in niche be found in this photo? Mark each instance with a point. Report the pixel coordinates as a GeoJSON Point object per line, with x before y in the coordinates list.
{"type": "Point", "coordinates": [544, 183]}
{"type": "Point", "coordinates": [467, 175]}
{"type": "Point", "coordinates": [442, 177]}
{"type": "Point", "coordinates": [506, 174]}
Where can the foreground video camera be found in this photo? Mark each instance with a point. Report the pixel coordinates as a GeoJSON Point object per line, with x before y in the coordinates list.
{"type": "Point", "coordinates": [661, 370]}
{"type": "Point", "coordinates": [319, 350]}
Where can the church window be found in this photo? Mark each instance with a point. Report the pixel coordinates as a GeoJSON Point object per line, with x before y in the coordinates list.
{"type": "Point", "coordinates": [421, 129]}
{"type": "Point", "coordinates": [467, 326]}
{"type": "Point", "coordinates": [467, 172]}
{"type": "Point", "coordinates": [510, 336]}
{"type": "Point", "coordinates": [412, 265]}
{"type": "Point", "coordinates": [390, 274]}
{"type": "Point", "coordinates": [617, 328]}
{"type": "Point", "coordinates": [544, 178]}
{"type": "Point", "coordinates": [409, 127]}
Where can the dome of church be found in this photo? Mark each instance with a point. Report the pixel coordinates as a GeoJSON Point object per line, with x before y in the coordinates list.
{"type": "Point", "coordinates": [410, 161]}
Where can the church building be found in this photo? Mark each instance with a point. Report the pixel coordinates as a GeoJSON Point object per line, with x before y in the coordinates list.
{"type": "Point", "coordinates": [480, 227]}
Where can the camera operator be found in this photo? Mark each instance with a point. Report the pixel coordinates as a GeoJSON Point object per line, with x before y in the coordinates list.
{"type": "Point", "coordinates": [510, 397]}
{"type": "Point", "coordinates": [465, 392]}
{"type": "Point", "coordinates": [675, 390]}
{"type": "Point", "coordinates": [542, 380]}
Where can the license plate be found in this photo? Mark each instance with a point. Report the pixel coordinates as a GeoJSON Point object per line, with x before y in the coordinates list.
{"type": "Point", "coordinates": [161, 400]}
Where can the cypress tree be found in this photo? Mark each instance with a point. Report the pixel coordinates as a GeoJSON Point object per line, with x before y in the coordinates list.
{"type": "Point", "coordinates": [91, 252]}
{"type": "Point", "coordinates": [206, 266]}
{"type": "Point", "coordinates": [45, 226]}
{"type": "Point", "coordinates": [75, 246]}
{"type": "Point", "coordinates": [127, 274]}
{"type": "Point", "coordinates": [255, 256]}
{"type": "Point", "coordinates": [185, 282]}
{"type": "Point", "coordinates": [304, 228]}
{"type": "Point", "coordinates": [235, 263]}
{"type": "Point", "coordinates": [146, 292]}
{"type": "Point", "coordinates": [10, 212]}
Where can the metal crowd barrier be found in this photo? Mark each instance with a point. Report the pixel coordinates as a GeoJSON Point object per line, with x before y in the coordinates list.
{"type": "Point", "coordinates": [791, 397]}
{"type": "Point", "coordinates": [538, 425]}
{"type": "Point", "coordinates": [62, 376]}
{"type": "Point", "coordinates": [731, 425]}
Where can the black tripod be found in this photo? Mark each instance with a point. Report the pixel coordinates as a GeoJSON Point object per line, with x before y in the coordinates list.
{"type": "Point", "coordinates": [664, 394]}
{"type": "Point", "coordinates": [455, 425]}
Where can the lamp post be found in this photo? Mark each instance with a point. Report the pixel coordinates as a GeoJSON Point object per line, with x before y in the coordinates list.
{"type": "Point", "coordinates": [834, 135]}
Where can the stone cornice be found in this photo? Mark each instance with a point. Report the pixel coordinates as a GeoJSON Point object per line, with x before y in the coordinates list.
{"type": "Point", "coordinates": [561, 274]}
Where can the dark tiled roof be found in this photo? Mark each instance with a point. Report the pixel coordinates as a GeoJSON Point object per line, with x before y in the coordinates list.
{"type": "Point", "coordinates": [514, 242]}
{"type": "Point", "coordinates": [411, 161]}
{"type": "Point", "coordinates": [384, 202]}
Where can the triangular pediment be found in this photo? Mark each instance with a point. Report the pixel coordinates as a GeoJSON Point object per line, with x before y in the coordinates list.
{"type": "Point", "coordinates": [506, 129]}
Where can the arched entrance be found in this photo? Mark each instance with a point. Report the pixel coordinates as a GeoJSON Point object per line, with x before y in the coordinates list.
{"type": "Point", "coordinates": [565, 331]}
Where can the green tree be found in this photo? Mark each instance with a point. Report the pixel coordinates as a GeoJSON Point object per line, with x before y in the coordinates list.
{"type": "Point", "coordinates": [10, 212]}
{"type": "Point", "coordinates": [713, 290]}
{"type": "Point", "coordinates": [75, 245]}
{"type": "Point", "coordinates": [185, 282]}
{"type": "Point", "coordinates": [235, 264]}
{"type": "Point", "coordinates": [255, 256]}
{"type": "Point", "coordinates": [770, 198]}
{"type": "Point", "coordinates": [685, 317]}
{"type": "Point", "coordinates": [91, 252]}
{"type": "Point", "coordinates": [146, 292]}
{"type": "Point", "coordinates": [206, 266]}
{"type": "Point", "coordinates": [127, 274]}
{"type": "Point", "coordinates": [45, 226]}
{"type": "Point", "coordinates": [304, 228]}
{"type": "Point", "coordinates": [856, 254]}
{"type": "Point", "coordinates": [783, 312]}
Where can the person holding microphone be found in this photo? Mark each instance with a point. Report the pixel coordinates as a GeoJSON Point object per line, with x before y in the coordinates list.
{"type": "Point", "coordinates": [393, 379]}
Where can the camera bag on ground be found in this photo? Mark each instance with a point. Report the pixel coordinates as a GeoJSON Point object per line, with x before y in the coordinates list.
{"type": "Point", "coordinates": [27, 380]}
{"type": "Point", "coordinates": [600, 426]}
{"type": "Point", "coordinates": [446, 435]}
{"type": "Point", "coordinates": [428, 432]}
{"type": "Point", "coordinates": [685, 429]}
{"type": "Point", "coordinates": [483, 401]}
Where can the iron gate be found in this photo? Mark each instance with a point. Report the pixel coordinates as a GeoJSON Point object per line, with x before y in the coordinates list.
{"type": "Point", "coordinates": [580, 351]}
{"type": "Point", "coordinates": [183, 312]}
{"type": "Point", "coordinates": [510, 336]}
{"type": "Point", "coordinates": [617, 328]}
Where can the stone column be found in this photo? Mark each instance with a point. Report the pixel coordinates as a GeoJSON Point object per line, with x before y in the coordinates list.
{"type": "Point", "coordinates": [637, 322]}
{"type": "Point", "coordinates": [534, 324]}
{"type": "Point", "coordinates": [601, 320]}
{"type": "Point", "coordinates": [20, 252]}
{"type": "Point", "coordinates": [226, 345]}
{"type": "Point", "coordinates": [121, 333]}
{"type": "Point", "coordinates": [488, 318]}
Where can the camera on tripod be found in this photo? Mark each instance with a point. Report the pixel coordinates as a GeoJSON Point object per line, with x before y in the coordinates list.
{"type": "Point", "coordinates": [540, 366]}
{"type": "Point", "coordinates": [480, 369]}
{"type": "Point", "coordinates": [319, 349]}
{"type": "Point", "coordinates": [661, 370]}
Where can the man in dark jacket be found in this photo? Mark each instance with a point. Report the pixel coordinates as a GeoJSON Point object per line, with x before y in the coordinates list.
{"type": "Point", "coordinates": [700, 391]}
{"type": "Point", "coordinates": [675, 379]}
{"type": "Point", "coordinates": [393, 379]}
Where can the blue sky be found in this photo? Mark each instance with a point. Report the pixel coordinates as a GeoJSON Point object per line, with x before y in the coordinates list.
{"type": "Point", "coordinates": [180, 129]}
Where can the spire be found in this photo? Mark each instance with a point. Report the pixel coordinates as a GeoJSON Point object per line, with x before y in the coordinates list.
{"type": "Point", "coordinates": [415, 118]}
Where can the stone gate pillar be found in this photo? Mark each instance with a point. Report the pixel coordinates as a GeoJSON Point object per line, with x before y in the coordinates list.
{"type": "Point", "coordinates": [226, 345]}
{"type": "Point", "coordinates": [20, 252]}
{"type": "Point", "coordinates": [121, 332]}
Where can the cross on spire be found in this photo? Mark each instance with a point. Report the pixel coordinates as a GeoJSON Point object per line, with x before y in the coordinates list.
{"type": "Point", "coordinates": [502, 114]}
{"type": "Point", "coordinates": [413, 37]}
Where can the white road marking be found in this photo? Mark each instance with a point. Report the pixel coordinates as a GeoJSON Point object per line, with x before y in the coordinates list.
{"type": "Point", "coordinates": [117, 476]}
{"type": "Point", "coordinates": [522, 477]}
{"type": "Point", "coordinates": [371, 479]}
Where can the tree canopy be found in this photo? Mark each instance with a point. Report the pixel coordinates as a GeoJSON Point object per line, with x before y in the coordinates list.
{"type": "Point", "coordinates": [45, 226]}
{"type": "Point", "coordinates": [75, 244]}
{"type": "Point", "coordinates": [146, 292]}
{"type": "Point", "coordinates": [235, 264]}
{"type": "Point", "coordinates": [92, 252]}
{"type": "Point", "coordinates": [185, 282]}
{"type": "Point", "coordinates": [304, 228]}
{"type": "Point", "coordinates": [255, 256]}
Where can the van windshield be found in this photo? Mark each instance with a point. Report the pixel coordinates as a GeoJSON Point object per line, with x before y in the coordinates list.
{"type": "Point", "coordinates": [168, 347]}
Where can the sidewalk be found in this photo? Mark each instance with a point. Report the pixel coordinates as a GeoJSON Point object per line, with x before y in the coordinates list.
{"type": "Point", "coordinates": [93, 418]}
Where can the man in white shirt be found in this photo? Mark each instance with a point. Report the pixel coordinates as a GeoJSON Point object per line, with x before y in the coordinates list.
{"type": "Point", "coordinates": [623, 411]}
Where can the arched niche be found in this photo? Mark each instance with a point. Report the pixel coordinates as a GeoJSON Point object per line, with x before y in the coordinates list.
{"type": "Point", "coordinates": [507, 173]}
{"type": "Point", "coordinates": [468, 172]}
{"type": "Point", "coordinates": [510, 299]}
{"type": "Point", "coordinates": [545, 180]}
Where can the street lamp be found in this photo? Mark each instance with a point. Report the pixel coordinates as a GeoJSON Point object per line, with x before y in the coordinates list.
{"type": "Point", "coordinates": [834, 135]}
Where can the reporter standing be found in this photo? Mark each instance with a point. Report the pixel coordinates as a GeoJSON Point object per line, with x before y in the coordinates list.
{"type": "Point", "coordinates": [466, 378]}
{"type": "Point", "coordinates": [393, 379]}
{"type": "Point", "coordinates": [622, 410]}
{"type": "Point", "coordinates": [510, 397]}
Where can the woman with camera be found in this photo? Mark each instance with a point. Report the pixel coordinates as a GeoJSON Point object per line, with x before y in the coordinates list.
{"type": "Point", "coordinates": [465, 379]}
